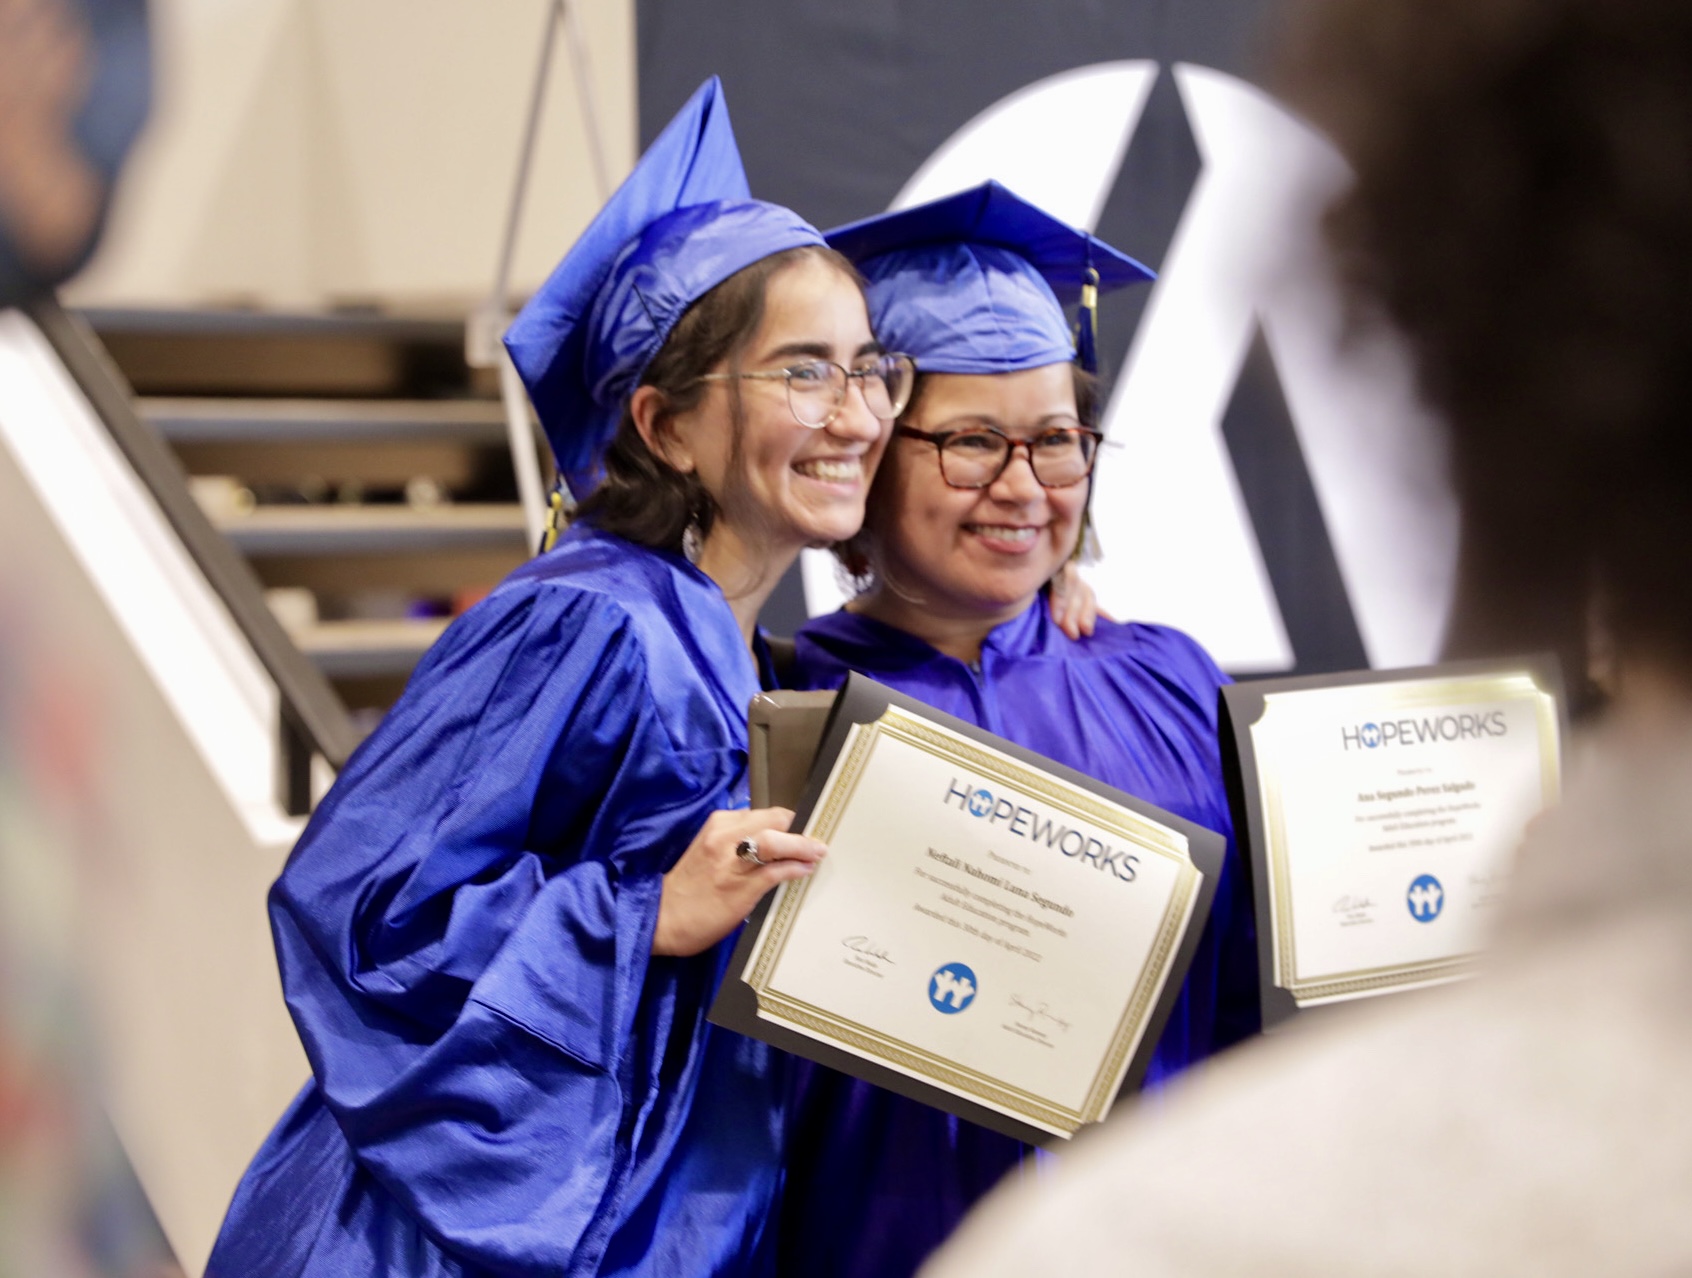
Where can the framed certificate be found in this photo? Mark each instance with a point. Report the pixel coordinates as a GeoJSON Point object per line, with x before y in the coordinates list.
{"type": "Point", "coordinates": [992, 933]}
{"type": "Point", "coordinates": [1380, 812]}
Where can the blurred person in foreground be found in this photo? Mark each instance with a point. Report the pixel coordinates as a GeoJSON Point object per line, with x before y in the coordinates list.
{"type": "Point", "coordinates": [75, 84]}
{"type": "Point", "coordinates": [1523, 211]}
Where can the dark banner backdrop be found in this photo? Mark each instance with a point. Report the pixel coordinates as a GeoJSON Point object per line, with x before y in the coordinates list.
{"type": "Point", "coordinates": [837, 106]}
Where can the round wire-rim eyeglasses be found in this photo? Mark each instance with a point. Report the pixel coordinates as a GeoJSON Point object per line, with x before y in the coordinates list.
{"type": "Point", "coordinates": [816, 388]}
{"type": "Point", "coordinates": [974, 454]}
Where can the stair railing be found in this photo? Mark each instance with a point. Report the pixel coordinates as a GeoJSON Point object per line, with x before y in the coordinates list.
{"type": "Point", "coordinates": [314, 720]}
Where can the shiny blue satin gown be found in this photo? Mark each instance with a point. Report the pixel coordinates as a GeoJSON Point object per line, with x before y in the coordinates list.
{"type": "Point", "coordinates": [876, 1182]}
{"type": "Point", "coordinates": [505, 1081]}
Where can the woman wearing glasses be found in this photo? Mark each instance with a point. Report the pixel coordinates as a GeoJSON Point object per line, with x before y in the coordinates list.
{"type": "Point", "coordinates": [981, 501]}
{"type": "Point", "coordinates": [499, 934]}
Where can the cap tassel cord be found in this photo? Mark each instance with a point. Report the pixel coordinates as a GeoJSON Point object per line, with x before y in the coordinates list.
{"type": "Point", "coordinates": [1087, 323]}
{"type": "Point", "coordinates": [1087, 547]}
{"type": "Point", "coordinates": [559, 509]}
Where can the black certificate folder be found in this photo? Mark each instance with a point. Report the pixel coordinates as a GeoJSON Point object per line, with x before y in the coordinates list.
{"type": "Point", "coordinates": [1379, 811]}
{"type": "Point", "coordinates": [993, 934]}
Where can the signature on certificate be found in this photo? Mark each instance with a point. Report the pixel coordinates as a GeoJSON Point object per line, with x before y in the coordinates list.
{"type": "Point", "coordinates": [868, 948]}
{"type": "Point", "coordinates": [1353, 905]}
{"type": "Point", "coordinates": [1038, 1010]}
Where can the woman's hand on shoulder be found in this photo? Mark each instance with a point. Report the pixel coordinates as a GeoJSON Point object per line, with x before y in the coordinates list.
{"type": "Point", "coordinates": [1075, 607]}
{"type": "Point", "coordinates": [712, 887]}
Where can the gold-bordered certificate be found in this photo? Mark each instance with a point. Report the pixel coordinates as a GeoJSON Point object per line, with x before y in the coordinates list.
{"type": "Point", "coordinates": [1384, 810]}
{"type": "Point", "coordinates": [990, 932]}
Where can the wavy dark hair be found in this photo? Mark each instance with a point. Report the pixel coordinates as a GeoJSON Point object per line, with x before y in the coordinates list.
{"type": "Point", "coordinates": [857, 554]}
{"type": "Point", "coordinates": [1522, 211]}
{"type": "Point", "coordinates": [642, 497]}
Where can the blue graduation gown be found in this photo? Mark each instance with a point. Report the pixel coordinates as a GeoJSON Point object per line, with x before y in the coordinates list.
{"type": "Point", "coordinates": [505, 1080]}
{"type": "Point", "coordinates": [874, 1181]}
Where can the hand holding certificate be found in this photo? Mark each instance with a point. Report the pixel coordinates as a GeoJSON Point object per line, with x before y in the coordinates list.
{"type": "Point", "coordinates": [991, 933]}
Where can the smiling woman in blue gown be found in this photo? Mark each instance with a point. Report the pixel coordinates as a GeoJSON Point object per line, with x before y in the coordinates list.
{"type": "Point", "coordinates": [500, 931]}
{"type": "Point", "coordinates": [980, 502]}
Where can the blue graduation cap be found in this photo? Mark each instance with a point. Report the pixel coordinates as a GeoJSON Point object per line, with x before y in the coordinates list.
{"type": "Point", "coordinates": [679, 225]}
{"type": "Point", "coordinates": [976, 282]}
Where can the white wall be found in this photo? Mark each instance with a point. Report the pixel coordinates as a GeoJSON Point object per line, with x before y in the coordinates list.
{"type": "Point", "coordinates": [308, 152]}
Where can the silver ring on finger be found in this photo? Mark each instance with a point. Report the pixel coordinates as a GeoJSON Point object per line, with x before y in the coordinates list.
{"type": "Point", "coordinates": [747, 851]}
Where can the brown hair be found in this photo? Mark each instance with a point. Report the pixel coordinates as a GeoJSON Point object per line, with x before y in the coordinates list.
{"type": "Point", "coordinates": [642, 497]}
{"type": "Point", "coordinates": [1522, 211]}
{"type": "Point", "coordinates": [857, 553]}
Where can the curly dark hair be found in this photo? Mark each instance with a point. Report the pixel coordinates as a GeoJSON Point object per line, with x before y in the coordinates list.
{"type": "Point", "coordinates": [1522, 211]}
{"type": "Point", "coordinates": [642, 497]}
{"type": "Point", "coordinates": [856, 554]}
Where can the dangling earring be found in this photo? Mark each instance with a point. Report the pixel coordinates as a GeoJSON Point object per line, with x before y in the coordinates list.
{"type": "Point", "coordinates": [1088, 549]}
{"type": "Point", "coordinates": [693, 541]}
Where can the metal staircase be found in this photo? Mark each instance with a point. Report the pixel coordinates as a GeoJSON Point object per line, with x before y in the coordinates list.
{"type": "Point", "coordinates": [354, 460]}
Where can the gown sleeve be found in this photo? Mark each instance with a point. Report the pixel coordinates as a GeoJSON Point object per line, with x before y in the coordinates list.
{"type": "Point", "coordinates": [465, 929]}
{"type": "Point", "coordinates": [1224, 972]}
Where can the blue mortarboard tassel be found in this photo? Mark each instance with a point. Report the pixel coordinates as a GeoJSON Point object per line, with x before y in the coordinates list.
{"type": "Point", "coordinates": [1087, 324]}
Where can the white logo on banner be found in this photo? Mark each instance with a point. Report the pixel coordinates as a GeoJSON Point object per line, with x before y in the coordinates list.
{"type": "Point", "coordinates": [1179, 543]}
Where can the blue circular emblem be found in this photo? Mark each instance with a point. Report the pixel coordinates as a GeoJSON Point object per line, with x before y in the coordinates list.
{"type": "Point", "coordinates": [1426, 898]}
{"type": "Point", "coordinates": [1371, 735]}
{"type": "Point", "coordinates": [952, 988]}
{"type": "Point", "coordinates": [981, 803]}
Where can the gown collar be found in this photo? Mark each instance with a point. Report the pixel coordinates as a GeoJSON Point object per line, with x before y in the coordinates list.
{"type": "Point", "coordinates": [695, 603]}
{"type": "Point", "coordinates": [865, 643]}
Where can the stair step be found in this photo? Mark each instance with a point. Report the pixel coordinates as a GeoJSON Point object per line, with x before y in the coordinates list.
{"type": "Point", "coordinates": [364, 649]}
{"type": "Point", "coordinates": [242, 352]}
{"type": "Point", "coordinates": [203, 420]}
{"type": "Point", "coordinates": [375, 530]}
{"type": "Point", "coordinates": [237, 322]}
